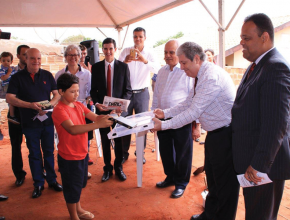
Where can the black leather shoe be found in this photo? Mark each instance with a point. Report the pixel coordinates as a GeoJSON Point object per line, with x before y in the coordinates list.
{"type": "Point", "coordinates": [121, 175]}
{"type": "Point", "coordinates": [20, 181]}
{"type": "Point", "coordinates": [3, 198]}
{"type": "Point", "coordinates": [56, 186]}
{"type": "Point", "coordinates": [164, 184]}
{"type": "Point", "coordinates": [124, 160]}
{"type": "Point", "coordinates": [196, 217]}
{"type": "Point", "coordinates": [37, 191]}
{"type": "Point", "coordinates": [177, 193]}
{"type": "Point", "coordinates": [44, 174]}
{"type": "Point", "coordinates": [106, 176]}
{"type": "Point", "coordinates": [2, 218]}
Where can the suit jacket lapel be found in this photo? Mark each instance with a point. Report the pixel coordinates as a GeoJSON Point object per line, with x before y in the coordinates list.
{"type": "Point", "coordinates": [242, 83]}
{"type": "Point", "coordinates": [103, 75]}
{"type": "Point", "coordinates": [247, 82]}
{"type": "Point", "coordinates": [115, 78]}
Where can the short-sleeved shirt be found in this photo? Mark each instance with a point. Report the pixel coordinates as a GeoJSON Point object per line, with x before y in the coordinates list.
{"type": "Point", "coordinates": [71, 147]}
{"type": "Point", "coordinates": [29, 90]}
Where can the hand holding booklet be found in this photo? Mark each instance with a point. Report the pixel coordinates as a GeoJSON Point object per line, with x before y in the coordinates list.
{"type": "Point", "coordinates": [245, 183]}
{"type": "Point", "coordinates": [114, 103]}
{"type": "Point", "coordinates": [45, 105]}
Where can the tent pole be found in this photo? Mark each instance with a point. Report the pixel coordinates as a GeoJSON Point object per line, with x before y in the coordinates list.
{"type": "Point", "coordinates": [119, 29]}
{"type": "Point", "coordinates": [221, 56]}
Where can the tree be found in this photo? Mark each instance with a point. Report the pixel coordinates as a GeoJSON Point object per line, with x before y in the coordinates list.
{"type": "Point", "coordinates": [75, 39]}
{"type": "Point", "coordinates": [160, 42]}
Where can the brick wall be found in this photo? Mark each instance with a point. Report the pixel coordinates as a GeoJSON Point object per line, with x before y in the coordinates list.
{"type": "Point", "coordinates": [236, 74]}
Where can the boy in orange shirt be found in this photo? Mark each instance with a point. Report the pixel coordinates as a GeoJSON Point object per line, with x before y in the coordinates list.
{"type": "Point", "coordinates": [69, 120]}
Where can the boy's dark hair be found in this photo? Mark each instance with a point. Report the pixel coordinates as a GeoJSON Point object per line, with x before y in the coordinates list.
{"type": "Point", "coordinates": [140, 29]}
{"type": "Point", "coordinates": [263, 23]}
{"type": "Point", "coordinates": [109, 41]}
{"type": "Point", "coordinates": [66, 80]}
{"type": "Point", "coordinates": [6, 54]}
{"type": "Point", "coordinates": [20, 47]}
{"type": "Point", "coordinates": [82, 47]}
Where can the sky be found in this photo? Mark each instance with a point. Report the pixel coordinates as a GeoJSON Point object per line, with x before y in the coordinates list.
{"type": "Point", "coordinates": [188, 18]}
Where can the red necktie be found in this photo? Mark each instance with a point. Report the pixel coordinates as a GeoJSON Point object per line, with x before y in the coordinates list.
{"type": "Point", "coordinates": [109, 89]}
{"type": "Point", "coordinates": [251, 70]}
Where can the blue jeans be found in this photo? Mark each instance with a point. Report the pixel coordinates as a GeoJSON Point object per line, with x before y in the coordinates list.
{"type": "Point", "coordinates": [45, 136]}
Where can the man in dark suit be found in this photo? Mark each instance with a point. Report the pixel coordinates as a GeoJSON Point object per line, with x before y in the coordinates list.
{"type": "Point", "coordinates": [260, 119]}
{"type": "Point", "coordinates": [110, 77]}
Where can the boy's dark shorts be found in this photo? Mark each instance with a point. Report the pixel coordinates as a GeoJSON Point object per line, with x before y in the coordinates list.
{"type": "Point", "coordinates": [74, 176]}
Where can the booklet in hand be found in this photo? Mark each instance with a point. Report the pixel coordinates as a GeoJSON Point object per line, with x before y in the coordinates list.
{"type": "Point", "coordinates": [45, 105]}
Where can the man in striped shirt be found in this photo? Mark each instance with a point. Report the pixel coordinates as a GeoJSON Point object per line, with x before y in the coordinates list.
{"type": "Point", "coordinates": [211, 102]}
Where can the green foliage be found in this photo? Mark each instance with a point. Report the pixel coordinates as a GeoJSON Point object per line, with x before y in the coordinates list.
{"type": "Point", "coordinates": [75, 39]}
{"type": "Point", "coordinates": [16, 38]}
{"type": "Point", "coordinates": [160, 42]}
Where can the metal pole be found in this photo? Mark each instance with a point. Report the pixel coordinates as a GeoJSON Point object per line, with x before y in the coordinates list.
{"type": "Point", "coordinates": [221, 60]}
{"type": "Point", "coordinates": [119, 39]}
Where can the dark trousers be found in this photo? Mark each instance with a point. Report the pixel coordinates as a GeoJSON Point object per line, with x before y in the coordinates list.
{"type": "Point", "coordinates": [175, 147]}
{"type": "Point", "coordinates": [139, 103]}
{"type": "Point", "coordinates": [262, 202]}
{"type": "Point", "coordinates": [15, 133]}
{"type": "Point", "coordinates": [222, 200]}
{"type": "Point", "coordinates": [45, 136]}
{"type": "Point", "coordinates": [107, 151]}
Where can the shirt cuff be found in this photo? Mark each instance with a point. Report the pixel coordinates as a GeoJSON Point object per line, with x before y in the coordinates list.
{"type": "Point", "coordinates": [166, 113]}
{"type": "Point", "coordinates": [165, 125]}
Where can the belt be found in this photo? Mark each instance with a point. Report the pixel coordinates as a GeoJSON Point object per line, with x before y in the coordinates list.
{"type": "Point", "coordinates": [218, 129]}
{"type": "Point", "coordinates": [139, 90]}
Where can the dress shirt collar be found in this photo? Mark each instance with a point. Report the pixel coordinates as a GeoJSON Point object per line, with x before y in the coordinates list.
{"type": "Point", "coordinates": [107, 63]}
{"type": "Point", "coordinates": [202, 68]}
{"type": "Point", "coordinates": [260, 57]}
{"type": "Point", "coordinates": [167, 67]}
{"type": "Point", "coordinates": [80, 68]}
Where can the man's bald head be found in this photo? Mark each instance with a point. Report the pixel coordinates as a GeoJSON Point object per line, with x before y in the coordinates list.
{"type": "Point", "coordinates": [170, 56]}
{"type": "Point", "coordinates": [33, 60]}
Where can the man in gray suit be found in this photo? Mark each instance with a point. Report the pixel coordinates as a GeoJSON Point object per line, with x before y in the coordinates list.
{"type": "Point", "coordinates": [260, 119]}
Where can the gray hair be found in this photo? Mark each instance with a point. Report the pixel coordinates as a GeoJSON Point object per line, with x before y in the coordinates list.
{"type": "Point", "coordinates": [190, 49]}
{"type": "Point", "coordinates": [71, 47]}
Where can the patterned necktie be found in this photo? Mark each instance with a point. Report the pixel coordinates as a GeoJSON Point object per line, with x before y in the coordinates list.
{"type": "Point", "coordinates": [109, 89]}
{"type": "Point", "coordinates": [251, 70]}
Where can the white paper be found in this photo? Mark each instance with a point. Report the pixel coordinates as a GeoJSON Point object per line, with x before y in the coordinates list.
{"type": "Point", "coordinates": [245, 183]}
{"type": "Point", "coordinates": [144, 123]}
{"type": "Point", "coordinates": [41, 117]}
{"type": "Point", "coordinates": [114, 103]}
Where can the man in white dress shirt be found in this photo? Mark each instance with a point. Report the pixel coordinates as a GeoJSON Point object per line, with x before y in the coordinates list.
{"type": "Point", "coordinates": [141, 62]}
{"type": "Point", "coordinates": [172, 87]}
{"type": "Point", "coordinates": [210, 101]}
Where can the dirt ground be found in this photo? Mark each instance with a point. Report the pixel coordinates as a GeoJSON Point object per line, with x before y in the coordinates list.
{"type": "Point", "coordinates": [113, 199]}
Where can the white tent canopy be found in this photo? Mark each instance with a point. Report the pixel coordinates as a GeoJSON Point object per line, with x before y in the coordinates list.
{"type": "Point", "coordinates": [81, 13]}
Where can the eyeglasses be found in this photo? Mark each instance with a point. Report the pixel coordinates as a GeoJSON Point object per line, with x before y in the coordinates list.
{"type": "Point", "coordinates": [73, 55]}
